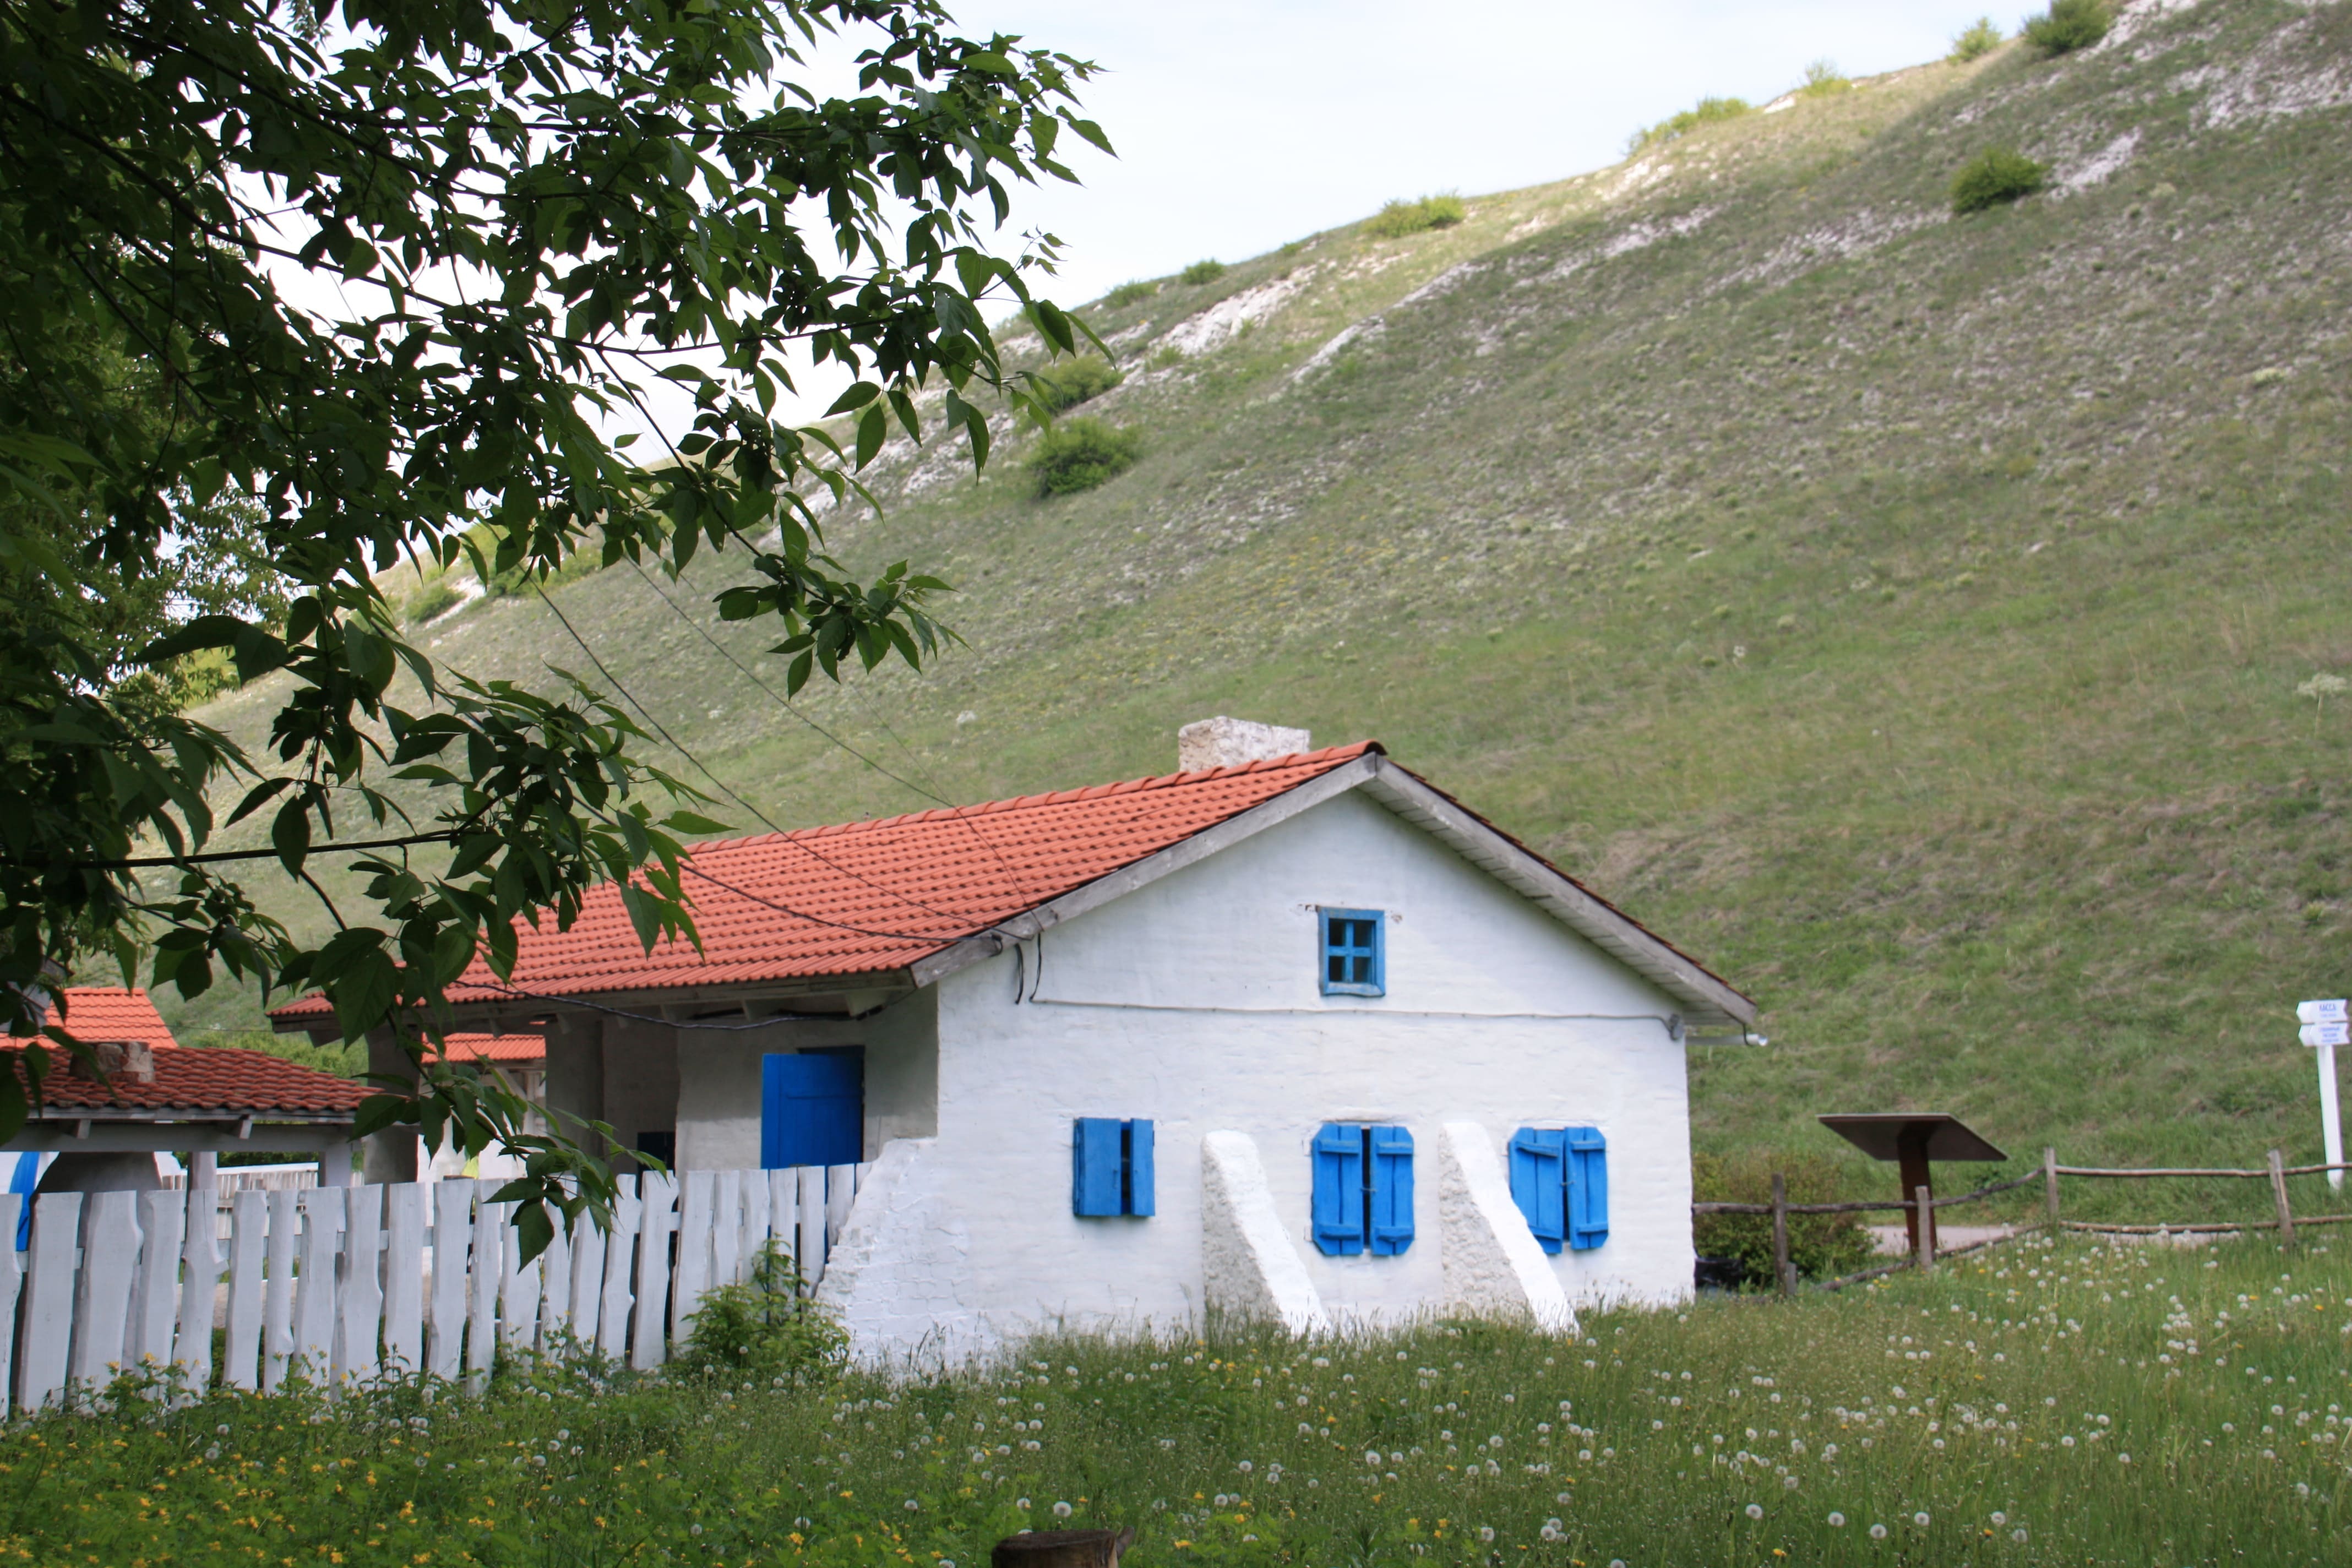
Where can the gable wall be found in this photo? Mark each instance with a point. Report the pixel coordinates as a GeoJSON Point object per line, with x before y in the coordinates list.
{"type": "Point", "coordinates": [1194, 1001]}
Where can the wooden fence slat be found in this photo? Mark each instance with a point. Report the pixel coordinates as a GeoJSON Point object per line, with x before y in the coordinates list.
{"type": "Point", "coordinates": [518, 1292]}
{"type": "Point", "coordinates": [156, 1299]}
{"type": "Point", "coordinates": [727, 1229]}
{"type": "Point", "coordinates": [200, 1272]}
{"type": "Point", "coordinates": [784, 1209]}
{"type": "Point", "coordinates": [840, 1187]}
{"type": "Point", "coordinates": [278, 1288]}
{"type": "Point", "coordinates": [656, 1224]}
{"type": "Point", "coordinates": [12, 1283]}
{"type": "Point", "coordinates": [810, 1226]}
{"type": "Point", "coordinates": [487, 1270]}
{"type": "Point", "coordinates": [359, 1285]}
{"type": "Point", "coordinates": [404, 1279]}
{"type": "Point", "coordinates": [110, 1261]}
{"type": "Point", "coordinates": [620, 1273]}
{"type": "Point", "coordinates": [453, 1242]}
{"type": "Point", "coordinates": [755, 1220]}
{"type": "Point", "coordinates": [48, 1333]}
{"type": "Point", "coordinates": [696, 1196]}
{"type": "Point", "coordinates": [555, 1290]}
{"type": "Point", "coordinates": [587, 1280]}
{"type": "Point", "coordinates": [323, 1218]}
{"type": "Point", "coordinates": [247, 1239]}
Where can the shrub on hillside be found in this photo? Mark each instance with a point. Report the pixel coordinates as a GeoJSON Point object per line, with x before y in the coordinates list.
{"type": "Point", "coordinates": [1975, 41]}
{"type": "Point", "coordinates": [1710, 111]}
{"type": "Point", "coordinates": [2069, 25]}
{"type": "Point", "coordinates": [1396, 219]}
{"type": "Point", "coordinates": [762, 1327]}
{"type": "Point", "coordinates": [1822, 78]}
{"type": "Point", "coordinates": [1068, 385]}
{"type": "Point", "coordinates": [1995, 175]}
{"type": "Point", "coordinates": [1127, 294]}
{"type": "Point", "coordinates": [1201, 272]}
{"type": "Point", "coordinates": [435, 598]}
{"type": "Point", "coordinates": [1079, 454]}
{"type": "Point", "coordinates": [1822, 1246]}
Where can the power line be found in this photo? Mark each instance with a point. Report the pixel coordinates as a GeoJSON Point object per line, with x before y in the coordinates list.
{"type": "Point", "coordinates": [785, 704]}
{"type": "Point", "coordinates": [965, 922]}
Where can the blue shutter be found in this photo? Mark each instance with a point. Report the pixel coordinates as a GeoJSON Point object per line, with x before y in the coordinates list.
{"type": "Point", "coordinates": [812, 1109]}
{"type": "Point", "coordinates": [1391, 1149]}
{"type": "Point", "coordinates": [1539, 1183]}
{"type": "Point", "coordinates": [1339, 1189]}
{"type": "Point", "coordinates": [1140, 1174]}
{"type": "Point", "coordinates": [1094, 1165]}
{"type": "Point", "coordinates": [1588, 1188]}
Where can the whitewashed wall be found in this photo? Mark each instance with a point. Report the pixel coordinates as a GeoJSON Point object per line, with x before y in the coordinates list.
{"type": "Point", "coordinates": [1194, 1002]}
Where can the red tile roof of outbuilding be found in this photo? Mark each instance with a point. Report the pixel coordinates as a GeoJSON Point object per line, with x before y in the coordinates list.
{"type": "Point", "coordinates": [518, 1048]}
{"type": "Point", "coordinates": [111, 1013]}
{"type": "Point", "coordinates": [862, 897]}
{"type": "Point", "coordinates": [214, 1082]}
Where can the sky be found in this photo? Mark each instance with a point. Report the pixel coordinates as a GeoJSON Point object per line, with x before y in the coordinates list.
{"type": "Point", "coordinates": [1241, 126]}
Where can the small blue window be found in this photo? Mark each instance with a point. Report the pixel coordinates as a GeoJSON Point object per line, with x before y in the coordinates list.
{"type": "Point", "coordinates": [1111, 1167]}
{"type": "Point", "coordinates": [1363, 1190]}
{"type": "Point", "coordinates": [1353, 962]}
{"type": "Point", "coordinates": [1559, 1179]}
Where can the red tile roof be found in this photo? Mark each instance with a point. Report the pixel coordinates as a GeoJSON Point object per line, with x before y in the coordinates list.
{"type": "Point", "coordinates": [519, 1048]}
{"type": "Point", "coordinates": [221, 1083]}
{"type": "Point", "coordinates": [111, 1013]}
{"type": "Point", "coordinates": [861, 897]}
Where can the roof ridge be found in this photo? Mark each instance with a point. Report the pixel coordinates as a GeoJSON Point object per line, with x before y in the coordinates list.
{"type": "Point", "coordinates": [1322, 758]}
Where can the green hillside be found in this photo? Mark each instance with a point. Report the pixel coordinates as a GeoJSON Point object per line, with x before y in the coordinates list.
{"type": "Point", "coordinates": [1905, 613]}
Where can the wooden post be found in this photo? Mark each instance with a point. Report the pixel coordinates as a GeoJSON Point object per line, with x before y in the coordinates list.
{"type": "Point", "coordinates": [2278, 1191]}
{"type": "Point", "coordinates": [1911, 1152]}
{"type": "Point", "coordinates": [1784, 1276]}
{"type": "Point", "coordinates": [1926, 1216]}
{"type": "Point", "coordinates": [2050, 1184]}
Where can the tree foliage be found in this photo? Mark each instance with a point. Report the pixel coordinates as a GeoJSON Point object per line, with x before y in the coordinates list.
{"type": "Point", "coordinates": [384, 274]}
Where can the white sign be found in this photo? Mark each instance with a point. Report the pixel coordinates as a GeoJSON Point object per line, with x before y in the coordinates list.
{"type": "Point", "coordinates": [2327, 1033]}
{"type": "Point", "coordinates": [2321, 1013]}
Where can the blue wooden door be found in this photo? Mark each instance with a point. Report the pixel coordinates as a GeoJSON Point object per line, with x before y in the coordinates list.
{"type": "Point", "coordinates": [812, 1109]}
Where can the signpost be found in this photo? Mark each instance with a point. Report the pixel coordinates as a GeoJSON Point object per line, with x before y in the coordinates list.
{"type": "Point", "coordinates": [2326, 1025]}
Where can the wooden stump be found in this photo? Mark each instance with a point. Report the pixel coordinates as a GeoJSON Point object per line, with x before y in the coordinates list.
{"type": "Point", "coordinates": [1062, 1549]}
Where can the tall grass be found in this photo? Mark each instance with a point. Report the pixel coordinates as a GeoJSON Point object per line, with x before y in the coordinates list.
{"type": "Point", "coordinates": [2040, 1404]}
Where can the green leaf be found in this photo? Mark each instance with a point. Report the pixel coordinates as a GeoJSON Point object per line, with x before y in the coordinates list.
{"type": "Point", "coordinates": [290, 835]}
{"type": "Point", "coordinates": [859, 395]}
{"type": "Point", "coordinates": [645, 913]}
{"type": "Point", "coordinates": [873, 428]}
{"type": "Point", "coordinates": [361, 991]}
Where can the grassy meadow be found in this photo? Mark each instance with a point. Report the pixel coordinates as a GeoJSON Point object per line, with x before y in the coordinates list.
{"type": "Point", "coordinates": [2041, 1403]}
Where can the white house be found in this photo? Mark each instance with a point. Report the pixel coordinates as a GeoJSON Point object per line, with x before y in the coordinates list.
{"type": "Point", "coordinates": [1295, 1036]}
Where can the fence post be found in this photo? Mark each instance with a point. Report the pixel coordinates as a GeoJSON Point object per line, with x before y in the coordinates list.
{"type": "Point", "coordinates": [2278, 1191]}
{"type": "Point", "coordinates": [1783, 1276]}
{"type": "Point", "coordinates": [1926, 1212]}
{"type": "Point", "coordinates": [2050, 1184]}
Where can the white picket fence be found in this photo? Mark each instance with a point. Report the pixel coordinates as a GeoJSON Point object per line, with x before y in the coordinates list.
{"type": "Point", "coordinates": [348, 1284]}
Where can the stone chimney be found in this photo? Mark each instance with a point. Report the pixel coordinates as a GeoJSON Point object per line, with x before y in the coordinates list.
{"type": "Point", "coordinates": [1222, 742]}
{"type": "Point", "coordinates": [126, 1061]}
